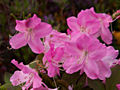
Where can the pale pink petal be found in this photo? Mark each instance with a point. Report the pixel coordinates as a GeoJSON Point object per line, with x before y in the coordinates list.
{"type": "Point", "coordinates": [104, 70]}
{"type": "Point", "coordinates": [18, 41]}
{"type": "Point", "coordinates": [91, 69]}
{"type": "Point", "coordinates": [92, 27]}
{"type": "Point", "coordinates": [37, 82]}
{"type": "Point", "coordinates": [42, 30]}
{"type": "Point", "coordinates": [72, 23]}
{"type": "Point", "coordinates": [18, 77]}
{"type": "Point", "coordinates": [72, 48]}
{"type": "Point", "coordinates": [36, 45]}
{"type": "Point", "coordinates": [21, 25]}
{"type": "Point", "coordinates": [98, 53]}
{"type": "Point", "coordinates": [106, 35]}
{"type": "Point", "coordinates": [71, 65]}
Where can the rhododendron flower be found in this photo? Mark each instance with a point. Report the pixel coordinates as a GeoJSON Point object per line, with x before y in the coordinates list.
{"type": "Point", "coordinates": [52, 59]}
{"type": "Point", "coordinates": [28, 75]}
{"type": "Point", "coordinates": [30, 31]}
{"type": "Point", "coordinates": [94, 24]}
{"type": "Point", "coordinates": [118, 86]}
{"type": "Point", "coordinates": [56, 38]}
{"type": "Point", "coordinates": [90, 56]}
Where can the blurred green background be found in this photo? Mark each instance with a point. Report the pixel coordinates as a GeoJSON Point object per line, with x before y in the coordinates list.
{"type": "Point", "coordinates": [54, 12]}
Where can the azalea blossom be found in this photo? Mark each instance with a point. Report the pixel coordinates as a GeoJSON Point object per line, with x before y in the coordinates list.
{"type": "Point", "coordinates": [52, 59]}
{"type": "Point", "coordinates": [28, 75]}
{"type": "Point", "coordinates": [30, 32]}
{"type": "Point", "coordinates": [94, 24]}
{"type": "Point", "coordinates": [56, 38]}
{"type": "Point", "coordinates": [88, 55]}
{"type": "Point", "coordinates": [118, 86]}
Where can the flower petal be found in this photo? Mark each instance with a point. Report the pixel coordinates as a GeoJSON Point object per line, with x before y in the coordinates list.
{"type": "Point", "coordinates": [106, 35]}
{"type": "Point", "coordinates": [104, 70]}
{"type": "Point", "coordinates": [52, 70]}
{"type": "Point", "coordinates": [18, 41]}
{"type": "Point", "coordinates": [91, 69]}
{"type": "Point", "coordinates": [33, 21]}
{"type": "Point", "coordinates": [72, 23]}
{"type": "Point", "coordinates": [42, 29]}
{"type": "Point", "coordinates": [37, 82]}
{"type": "Point", "coordinates": [18, 77]}
{"type": "Point", "coordinates": [36, 45]}
{"type": "Point", "coordinates": [21, 25]}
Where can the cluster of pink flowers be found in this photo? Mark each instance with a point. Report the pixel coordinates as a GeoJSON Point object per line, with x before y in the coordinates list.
{"type": "Point", "coordinates": [78, 50]}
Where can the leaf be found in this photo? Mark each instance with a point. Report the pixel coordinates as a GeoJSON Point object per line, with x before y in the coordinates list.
{"type": "Point", "coordinates": [71, 78]}
{"type": "Point", "coordinates": [114, 79]}
{"type": "Point", "coordinates": [33, 64]}
{"type": "Point", "coordinates": [80, 84]}
{"type": "Point", "coordinates": [7, 77]}
{"type": "Point", "coordinates": [96, 84]}
{"type": "Point", "coordinates": [8, 86]}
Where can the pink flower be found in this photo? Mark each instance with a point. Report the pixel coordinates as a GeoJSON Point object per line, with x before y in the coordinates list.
{"type": "Point", "coordinates": [30, 31]}
{"type": "Point", "coordinates": [90, 56]}
{"type": "Point", "coordinates": [118, 86]}
{"type": "Point", "coordinates": [52, 59]}
{"type": "Point", "coordinates": [56, 38]}
{"type": "Point", "coordinates": [28, 75]}
{"type": "Point", "coordinates": [94, 24]}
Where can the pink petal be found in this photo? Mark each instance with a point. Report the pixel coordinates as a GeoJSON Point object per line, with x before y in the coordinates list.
{"type": "Point", "coordinates": [42, 30]}
{"type": "Point", "coordinates": [72, 66]}
{"type": "Point", "coordinates": [37, 82]}
{"type": "Point", "coordinates": [20, 66]}
{"type": "Point", "coordinates": [21, 25]}
{"type": "Point", "coordinates": [72, 23]}
{"type": "Point", "coordinates": [18, 77]}
{"type": "Point", "coordinates": [98, 53]}
{"type": "Point", "coordinates": [33, 21]}
{"type": "Point", "coordinates": [72, 48]}
{"type": "Point", "coordinates": [36, 45]}
{"type": "Point", "coordinates": [106, 35]}
{"type": "Point", "coordinates": [118, 86]}
{"type": "Point", "coordinates": [86, 15]}
{"type": "Point", "coordinates": [58, 53]}
{"type": "Point", "coordinates": [91, 69]}
{"type": "Point", "coordinates": [104, 70]}
{"type": "Point", "coordinates": [52, 70]}
{"type": "Point", "coordinates": [18, 41]}
{"type": "Point", "coordinates": [83, 41]}
{"type": "Point", "coordinates": [92, 27]}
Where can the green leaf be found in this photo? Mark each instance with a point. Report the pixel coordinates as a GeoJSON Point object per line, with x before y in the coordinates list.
{"type": "Point", "coordinates": [114, 79]}
{"type": "Point", "coordinates": [33, 64]}
{"type": "Point", "coordinates": [71, 78]}
{"type": "Point", "coordinates": [96, 84]}
{"type": "Point", "coordinates": [8, 86]}
{"type": "Point", "coordinates": [80, 84]}
{"type": "Point", "coordinates": [7, 77]}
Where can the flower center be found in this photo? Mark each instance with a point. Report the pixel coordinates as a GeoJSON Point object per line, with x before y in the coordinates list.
{"type": "Point", "coordinates": [29, 34]}
{"type": "Point", "coordinates": [83, 57]}
{"type": "Point", "coordinates": [82, 29]}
